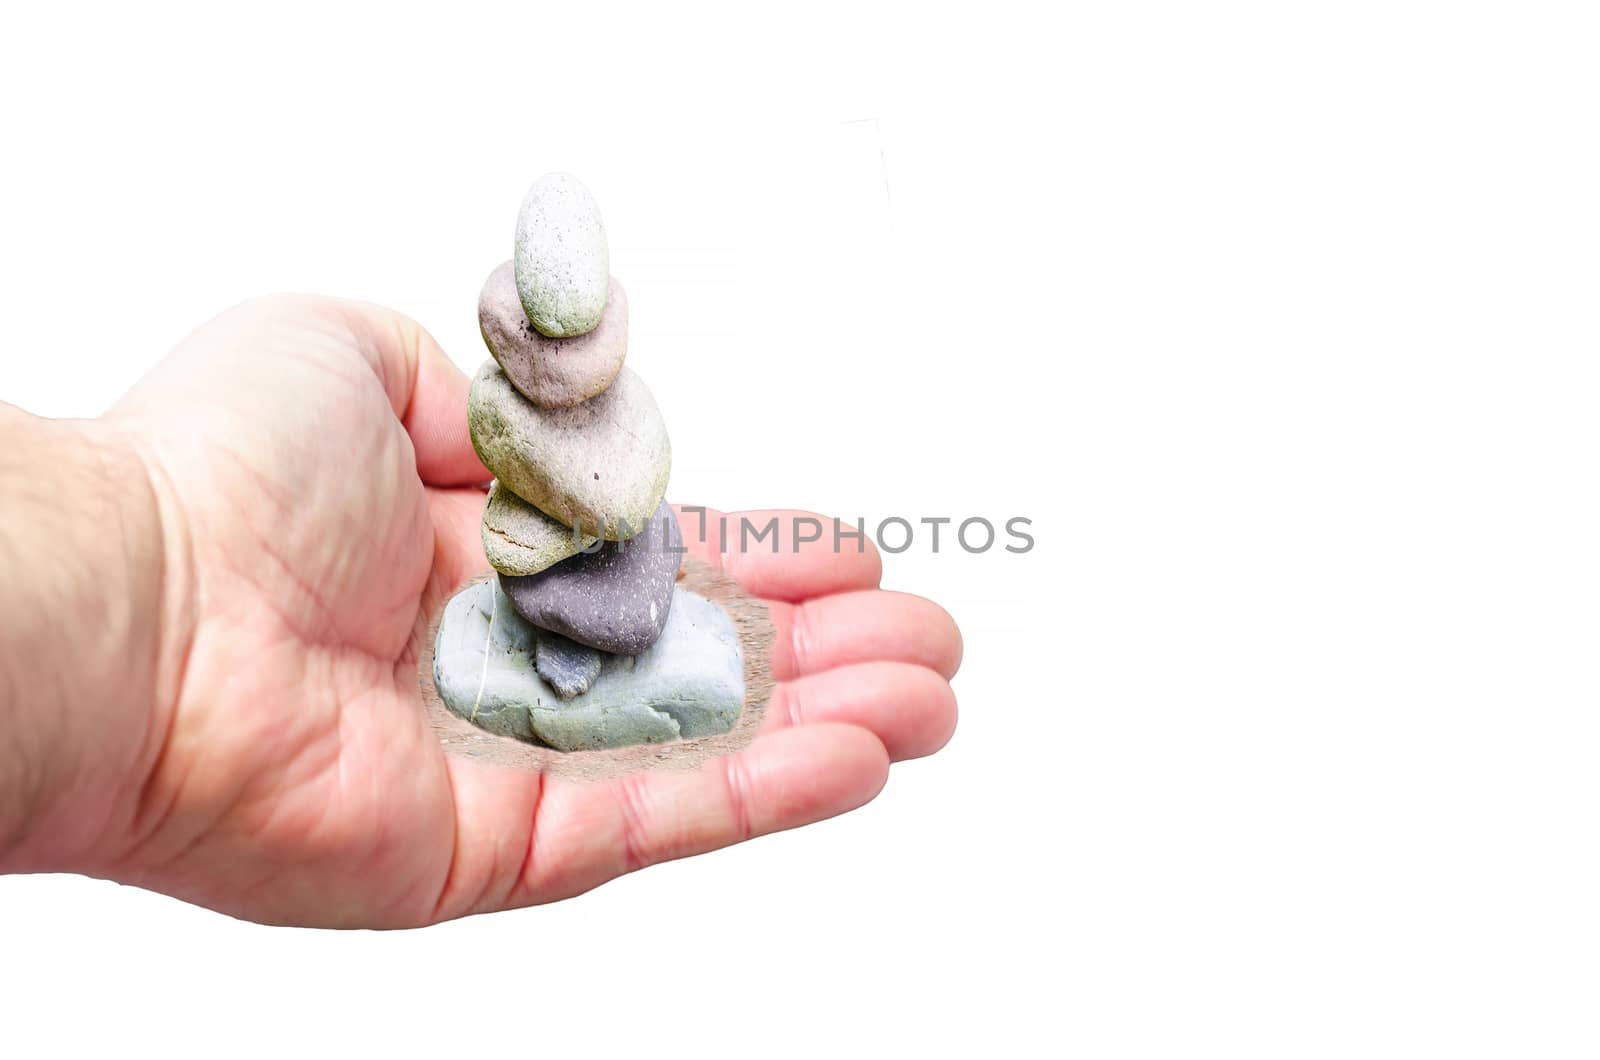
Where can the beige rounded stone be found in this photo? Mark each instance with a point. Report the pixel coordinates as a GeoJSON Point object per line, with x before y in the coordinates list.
{"type": "Point", "coordinates": [600, 466]}
{"type": "Point", "coordinates": [519, 539]}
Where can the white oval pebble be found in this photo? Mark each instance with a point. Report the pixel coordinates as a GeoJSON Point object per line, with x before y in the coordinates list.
{"type": "Point", "coordinates": [562, 263]}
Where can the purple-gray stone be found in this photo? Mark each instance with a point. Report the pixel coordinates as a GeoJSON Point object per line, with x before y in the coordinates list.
{"type": "Point", "coordinates": [615, 598]}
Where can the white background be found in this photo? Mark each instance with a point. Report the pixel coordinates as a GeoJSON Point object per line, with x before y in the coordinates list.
{"type": "Point", "coordinates": [1280, 323]}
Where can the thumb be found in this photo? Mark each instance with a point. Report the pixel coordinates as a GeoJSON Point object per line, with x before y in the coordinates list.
{"type": "Point", "coordinates": [427, 391]}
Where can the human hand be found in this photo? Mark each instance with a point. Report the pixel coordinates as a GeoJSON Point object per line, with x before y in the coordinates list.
{"type": "Point", "coordinates": [319, 499]}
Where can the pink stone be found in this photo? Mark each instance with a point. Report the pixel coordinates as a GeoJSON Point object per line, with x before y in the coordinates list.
{"type": "Point", "coordinates": [553, 373]}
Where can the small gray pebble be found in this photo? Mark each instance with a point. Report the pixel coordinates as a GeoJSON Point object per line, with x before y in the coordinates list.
{"type": "Point", "coordinates": [570, 667]}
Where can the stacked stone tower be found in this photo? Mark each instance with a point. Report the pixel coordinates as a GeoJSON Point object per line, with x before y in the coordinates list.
{"type": "Point", "coordinates": [583, 640]}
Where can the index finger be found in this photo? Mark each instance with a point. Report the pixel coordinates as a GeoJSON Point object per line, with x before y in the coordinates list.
{"type": "Point", "coordinates": [782, 554]}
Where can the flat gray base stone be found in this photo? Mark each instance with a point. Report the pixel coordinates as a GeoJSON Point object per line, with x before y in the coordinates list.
{"type": "Point", "coordinates": [689, 684]}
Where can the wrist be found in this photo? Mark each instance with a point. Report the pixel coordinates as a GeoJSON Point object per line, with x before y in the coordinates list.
{"type": "Point", "coordinates": [87, 573]}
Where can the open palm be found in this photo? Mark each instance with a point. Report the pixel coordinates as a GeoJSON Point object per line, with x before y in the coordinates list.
{"type": "Point", "coordinates": [320, 500]}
